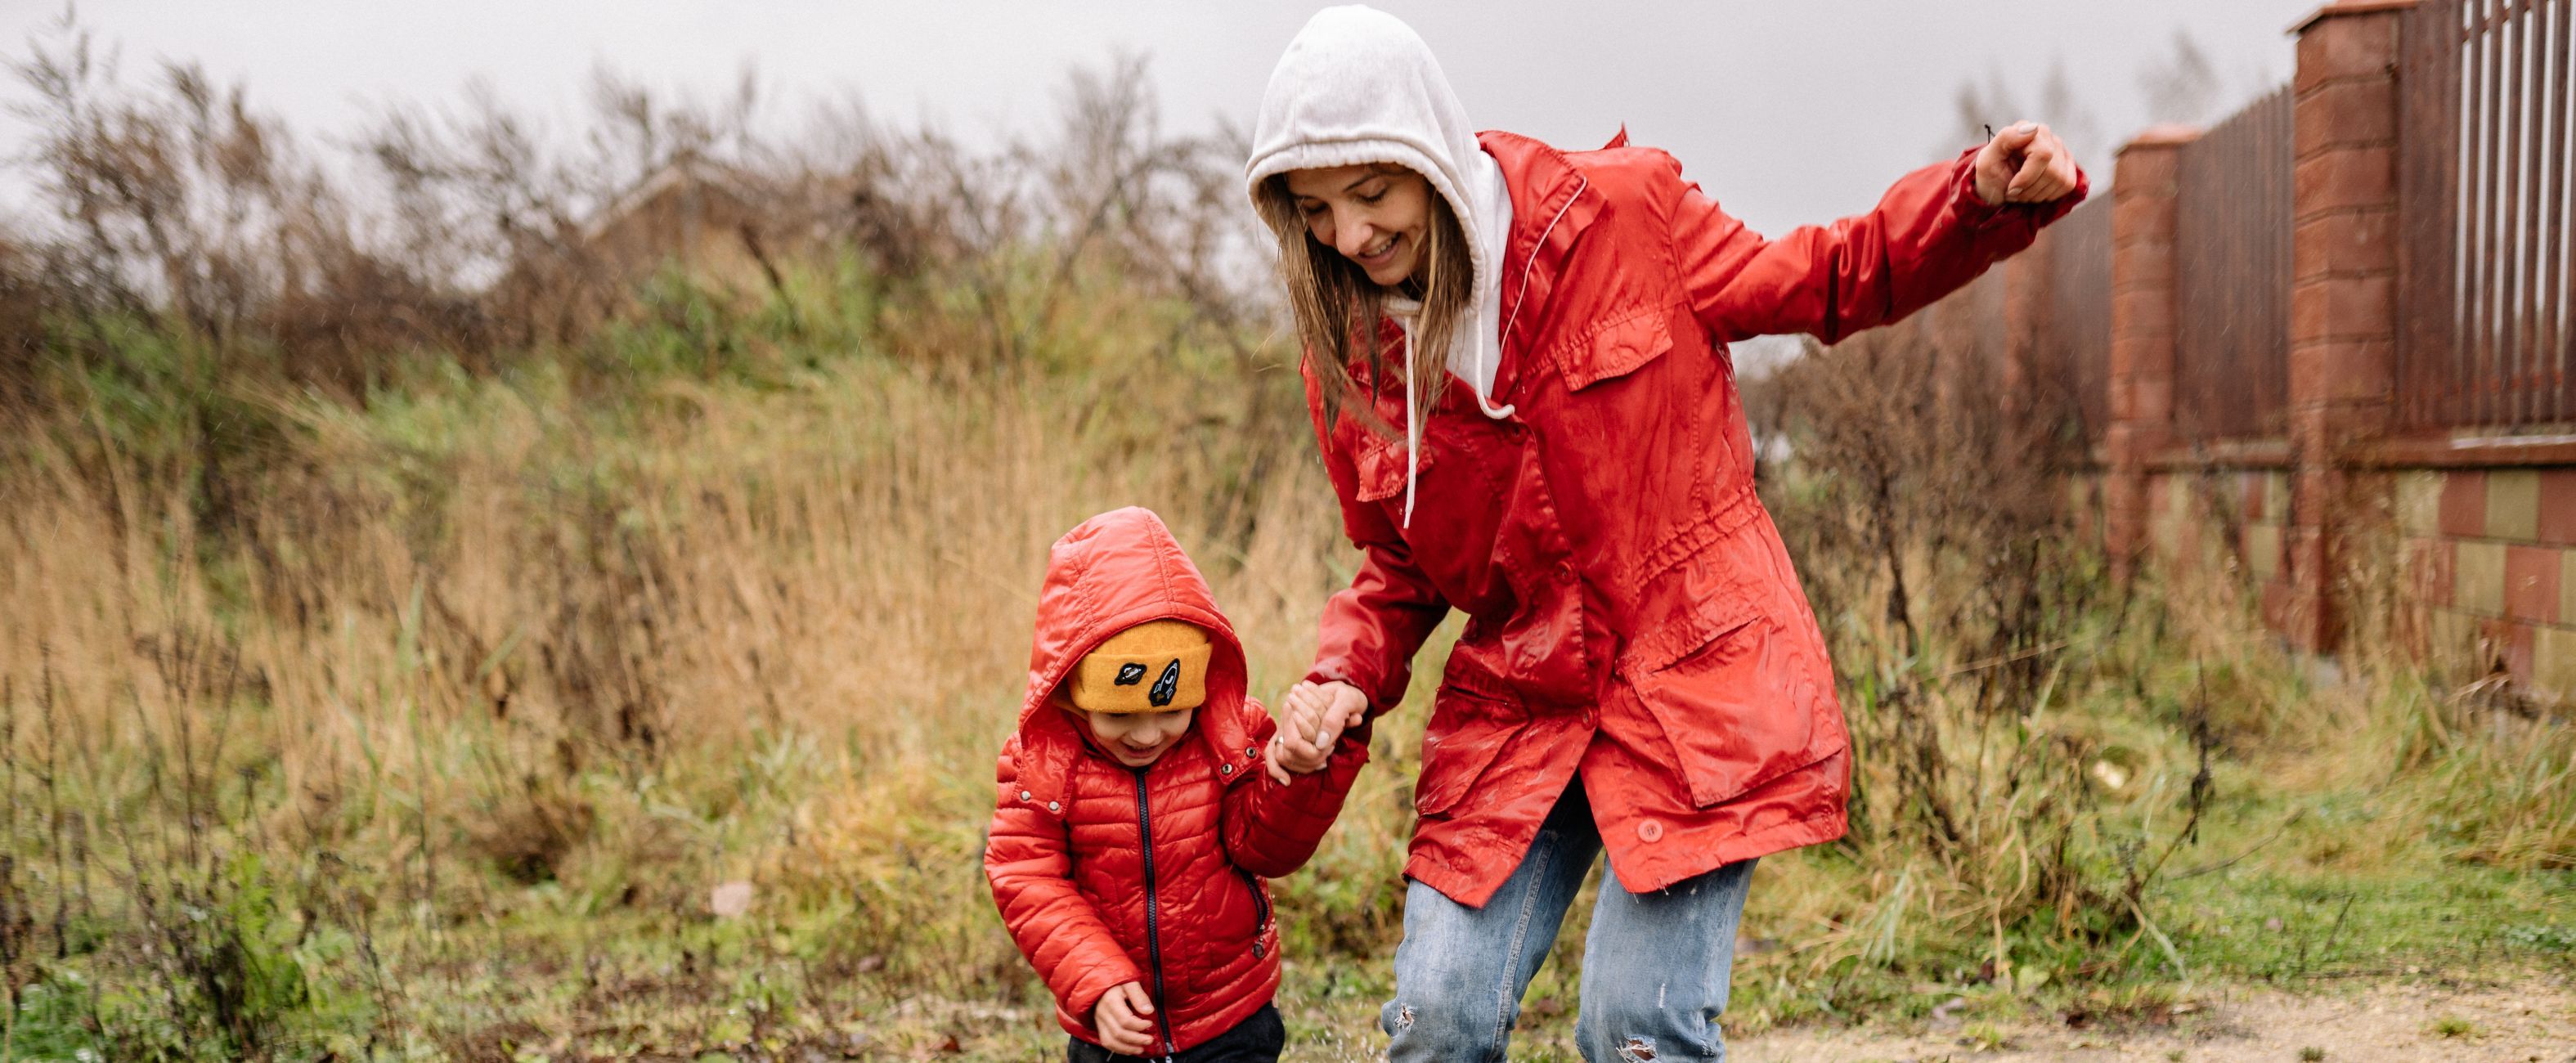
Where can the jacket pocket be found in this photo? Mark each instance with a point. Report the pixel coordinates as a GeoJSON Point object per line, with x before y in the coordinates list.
{"type": "Point", "coordinates": [1741, 710]}
{"type": "Point", "coordinates": [1260, 909]}
{"type": "Point", "coordinates": [1467, 731]}
{"type": "Point", "coordinates": [1379, 463]}
{"type": "Point", "coordinates": [1616, 348]}
{"type": "Point", "coordinates": [1734, 674]}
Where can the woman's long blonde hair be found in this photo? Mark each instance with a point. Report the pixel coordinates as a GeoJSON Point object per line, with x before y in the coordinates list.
{"type": "Point", "coordinates": [1335, 302]}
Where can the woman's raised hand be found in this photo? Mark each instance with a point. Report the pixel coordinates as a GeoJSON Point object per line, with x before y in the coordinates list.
{"type": "Point", "coordinates": [2025, 163]}
{"type": "Point", "coordinates": [1312, 717]}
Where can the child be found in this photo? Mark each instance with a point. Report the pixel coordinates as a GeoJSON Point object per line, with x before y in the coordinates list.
{"type": "Point", "coordinates": [1136, 816]}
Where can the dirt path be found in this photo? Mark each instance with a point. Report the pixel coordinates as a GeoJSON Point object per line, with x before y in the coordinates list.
{"type": "Point", "coordinates": [2533, 1021]}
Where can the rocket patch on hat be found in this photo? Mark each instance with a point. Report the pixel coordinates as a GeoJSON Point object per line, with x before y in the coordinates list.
{"type": "Point", "coordinates": [1156, 666]}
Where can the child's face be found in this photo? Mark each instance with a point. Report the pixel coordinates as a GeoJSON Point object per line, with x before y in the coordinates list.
{"type": "Point", "coordinates": [1137, 739]}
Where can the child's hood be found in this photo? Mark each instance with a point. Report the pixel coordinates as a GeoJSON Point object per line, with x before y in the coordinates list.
{"type": "Point", "coordinates": [1113, 572]}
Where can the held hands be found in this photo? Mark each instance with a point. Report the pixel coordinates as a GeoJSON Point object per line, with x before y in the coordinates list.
{"type": "Point", "coordinates": [1124, 1018]}
{"type": "Point", "coordinates": [2024, 163]}
{"type": "Point", "coordinates": [1314, 715]}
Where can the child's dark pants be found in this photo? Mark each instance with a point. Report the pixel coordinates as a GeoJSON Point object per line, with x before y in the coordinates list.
{"type": "Point", "coordinates": [1258, 1039]}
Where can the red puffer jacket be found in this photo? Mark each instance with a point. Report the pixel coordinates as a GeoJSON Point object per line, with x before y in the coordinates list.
{"type": "Point", "coordinates": [1632, 613]}
{"type": "Point", "coordinates": [1107, 874]}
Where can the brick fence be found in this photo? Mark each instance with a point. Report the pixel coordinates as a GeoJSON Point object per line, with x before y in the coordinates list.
{"type": "Point", "coordinates": [2421, 311]}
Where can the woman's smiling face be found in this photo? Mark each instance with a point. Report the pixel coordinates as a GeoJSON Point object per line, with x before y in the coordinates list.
{"type": "Point", "coordinates": [1374, 214]}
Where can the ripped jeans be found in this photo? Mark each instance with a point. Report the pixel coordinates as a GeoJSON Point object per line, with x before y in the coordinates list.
{"type": "Point", "coordinates": [1655, 965]}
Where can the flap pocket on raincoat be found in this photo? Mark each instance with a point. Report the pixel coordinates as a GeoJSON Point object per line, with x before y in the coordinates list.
{"type": "Point", "coordinates": [1380, 464]}
{"type": "Point", "coordinates": [1740, 709]}
{"type": "Point", "coordinates": [1467, 731]}
{"type": "Point", "coordinates": [1615, 349]}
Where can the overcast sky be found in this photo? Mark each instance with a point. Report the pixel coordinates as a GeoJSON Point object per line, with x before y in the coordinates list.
{"type": "Point", "coordinates": [1787, 111]}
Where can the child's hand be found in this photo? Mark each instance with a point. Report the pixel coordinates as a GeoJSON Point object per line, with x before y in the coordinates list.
{"type": "Point", "coordinates": [1314, 717]}
{"type": "Point", "coordinates": [1123, 1018]}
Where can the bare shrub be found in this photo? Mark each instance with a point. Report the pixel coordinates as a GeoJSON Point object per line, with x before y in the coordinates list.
{"type": "Point", "coordinates": [473, 232]}
{"type": "Point", "coordinates": [1971, 629]}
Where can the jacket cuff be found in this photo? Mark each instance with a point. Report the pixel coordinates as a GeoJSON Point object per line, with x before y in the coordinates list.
{"type": "Point", "coordinates": [1084, 997]}
{"type": "Point", "coordinates": [1971, 209]}
{"type": "Point", "coordinates": [1353, 745]}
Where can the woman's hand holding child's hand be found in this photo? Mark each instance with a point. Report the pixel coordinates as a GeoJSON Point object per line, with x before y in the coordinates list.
{"type": "Point", "coordinates": [1124, 1019]}
{"type": "Point", "coordinates": [1314, 715]}
{"type": "Point", "coordinates": [2025, 163]}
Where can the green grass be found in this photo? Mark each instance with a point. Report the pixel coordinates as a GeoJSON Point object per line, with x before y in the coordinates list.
{"type": "Point", "coordinates": [575, 983]}
{"type": "Point", "coordinates": [2274, 892]}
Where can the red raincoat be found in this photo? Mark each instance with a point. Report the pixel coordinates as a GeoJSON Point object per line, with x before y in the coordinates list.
{"type": "Point", "coordinates": [1107, 874]}
{"type": "Point", "coordinates": [1631, 611]}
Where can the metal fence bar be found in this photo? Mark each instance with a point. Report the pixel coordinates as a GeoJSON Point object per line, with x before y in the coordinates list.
{"type": "Point", "coordinates": [2232, 254]}
{"type": "Point", "coordinates": [2551, 302]}
{"type": "Point", "coordinates": [2427, 211]}
{"type": "Point", "coordinates": [2487, 59]}
{"type": "Point", "coordinates": [2513, 391]}
{"type": "Point", "coordinates": [2485, 180]}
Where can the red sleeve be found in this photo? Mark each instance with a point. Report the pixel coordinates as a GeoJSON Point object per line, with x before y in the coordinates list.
{"type": "Point", "coordinates": [1029, 860]}
{"type": "Point", "coordinates": [1371, 629]}
{"type": "Point", "coordinates": [1928, 236]}
{"type": "Point", "coordinates": [1272, 829]}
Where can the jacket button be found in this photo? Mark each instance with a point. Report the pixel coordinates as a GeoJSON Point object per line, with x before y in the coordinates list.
{"type": "Point", "coordinates": [1054, 807]}
{"type": "Point", "coordinates": [1252, 751]}
{"type": "Point", "coordinates": [1650, 830]}
{"type": "Point", "coordinates": [1225, 769]}
{"type": "Point", "coordinates": [1024, 795]}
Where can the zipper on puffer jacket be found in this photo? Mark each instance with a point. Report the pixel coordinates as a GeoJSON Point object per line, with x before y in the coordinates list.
{"type": "Point", "coordinates": [1260, 909]}
{"type": "Point", "coordinates": [1153, 912]}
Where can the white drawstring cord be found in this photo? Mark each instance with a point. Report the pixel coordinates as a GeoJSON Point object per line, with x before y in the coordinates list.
{"type": "Point", "coordinates": [1412, 429]}
{"type": "Point", "coordinates": [1492, 412]}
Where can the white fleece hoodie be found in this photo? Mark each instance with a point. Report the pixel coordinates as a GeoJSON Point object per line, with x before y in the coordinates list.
{"type": "Point", "coordinates": [1357, 85]}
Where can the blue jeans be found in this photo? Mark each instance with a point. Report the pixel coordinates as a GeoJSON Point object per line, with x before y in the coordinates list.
{"type": "Point", "coordinates": [1655, 966]}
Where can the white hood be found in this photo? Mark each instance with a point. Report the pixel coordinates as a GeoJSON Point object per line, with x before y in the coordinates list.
{"type": "Point", "coordinates": [1357, 85]}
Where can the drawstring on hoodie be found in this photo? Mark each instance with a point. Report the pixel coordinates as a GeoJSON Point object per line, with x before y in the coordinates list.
{"type": "Point", "coordinates": [1412, 430]}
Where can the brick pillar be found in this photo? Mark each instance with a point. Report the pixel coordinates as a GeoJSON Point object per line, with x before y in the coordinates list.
{"type": "Point", "coordinates": [2343, 319]}
{"type": "Point", "coordinates": [2142, 331]}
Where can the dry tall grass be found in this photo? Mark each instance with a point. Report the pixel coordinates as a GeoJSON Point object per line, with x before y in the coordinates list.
{"type": "Point", "coordinates": [775, 636]}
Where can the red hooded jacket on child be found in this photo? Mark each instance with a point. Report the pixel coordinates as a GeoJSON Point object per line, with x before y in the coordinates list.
{"type": "Point", "coordinates": [1107, 874]}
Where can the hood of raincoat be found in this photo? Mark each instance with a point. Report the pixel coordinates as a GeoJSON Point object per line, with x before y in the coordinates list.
{"type": "Point", "coordinates": [1111, 573]}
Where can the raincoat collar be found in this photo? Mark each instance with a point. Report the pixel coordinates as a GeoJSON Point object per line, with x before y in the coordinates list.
{"type": "Point", "coordinates": [1552, 204]}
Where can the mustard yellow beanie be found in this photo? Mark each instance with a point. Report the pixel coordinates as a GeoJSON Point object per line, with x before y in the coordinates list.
{"type": "Point", "coordinates": [1156, 666]}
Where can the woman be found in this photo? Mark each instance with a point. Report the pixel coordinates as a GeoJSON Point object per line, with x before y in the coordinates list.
{"type": "Point", "coordinates": [1516, 363]}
